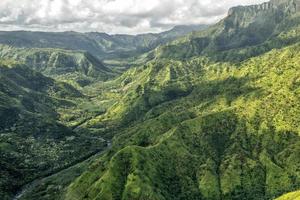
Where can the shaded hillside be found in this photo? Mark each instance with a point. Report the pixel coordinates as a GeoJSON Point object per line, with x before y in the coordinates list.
{"type": "Point", "coordinates": [33, 141]}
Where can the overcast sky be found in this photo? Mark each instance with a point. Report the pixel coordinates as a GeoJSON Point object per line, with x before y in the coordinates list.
{"type": "Point", "coordinates": [111, 16]}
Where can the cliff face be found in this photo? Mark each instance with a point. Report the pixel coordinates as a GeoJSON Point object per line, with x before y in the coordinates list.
{"type": "Point", "coordinates": [289, 3]}
{"type": "Point", "coordinates": [244, 15]}
{"type": "Point", "coordinates": [273, 5]}
{"type": "Point", "coordinates": [245, 26]}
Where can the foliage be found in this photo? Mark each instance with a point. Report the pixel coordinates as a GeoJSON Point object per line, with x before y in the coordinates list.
{"type": "Point", "coordinates": [212, 115]}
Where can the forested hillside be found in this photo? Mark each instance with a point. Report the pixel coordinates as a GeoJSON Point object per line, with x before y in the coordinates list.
{"type": "Point", "coordinates": [218, 123]}
{"type": "Point", "coordinates": [34, 138]}
{"type": "Point", "coordinates": [77, 66]}
{"type": "Point", "coordinates": [212, 115]}
{"type": "Point", "coordinates": [225, 132]}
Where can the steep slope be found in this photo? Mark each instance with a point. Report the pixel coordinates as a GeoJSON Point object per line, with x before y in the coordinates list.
{"type": "Point", "coordinates": [260, 28]}
{"type": "Point", "coordinates": [57, 63]}
{"type": "Point", "coordinates": [33, 140]}
{"type": "Point", "coordinates": [218, 131]}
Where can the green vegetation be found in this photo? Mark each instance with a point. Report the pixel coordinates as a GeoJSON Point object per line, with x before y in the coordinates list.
{"type": "Point", "coordinates": [77, 67]}
{"type": "Point", "coordinates": [210, 116]}
{"type": "Point", "coordinates": [290, 196]}
{"type": "Point", "coordinates": [100, 45]}
{"type": "Point", "coordinates": [53, 186]}
{"type": "Point", "coordinates": [246, 32]}
{"type": "Point", "coordinates": [227, 131]}
{"type": "Point", "coordinates": [34, 141]}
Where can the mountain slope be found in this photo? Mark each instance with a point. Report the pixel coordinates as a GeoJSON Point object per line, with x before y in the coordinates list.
{"type": "Point", "coordinates": [33, 140]}
{"type": "Point", "coordinates": [59, 63]}
{"type": "Point", "coordinates": [290, 196]}
{"type": "Point", "coordinates": [195, 126]}
{"type": "Point", "coordinates": [234, 134]}
{"type": "Point", "coordinates": [212, 116]}
{"type": "Point", "coordinates": [245, 32]}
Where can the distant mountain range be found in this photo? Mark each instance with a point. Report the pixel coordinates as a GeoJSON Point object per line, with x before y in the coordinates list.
{"type": "Point", "coordinates": [101, 45]}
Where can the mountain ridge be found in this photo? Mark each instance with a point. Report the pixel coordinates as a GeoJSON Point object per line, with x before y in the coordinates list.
{"type": "Point", "coordinates": [77, 66]}
{"type": "Point", "coordinates": [101, 45]}
{"type": "Point", "coordinates": [257, 26]}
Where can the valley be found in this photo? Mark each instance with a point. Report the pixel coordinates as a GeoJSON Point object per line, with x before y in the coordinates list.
{"type": "Point", "coordinates": [194, 113]}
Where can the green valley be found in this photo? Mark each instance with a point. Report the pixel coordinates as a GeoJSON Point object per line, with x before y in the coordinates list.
{"type": "Point", "coordinates": [211, 115]}
{"type": "Point", "coordinates": [34, 140]}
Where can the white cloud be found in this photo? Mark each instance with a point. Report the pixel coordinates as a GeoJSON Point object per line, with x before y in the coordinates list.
{"type": "Point", "coordinates": [112, 16]}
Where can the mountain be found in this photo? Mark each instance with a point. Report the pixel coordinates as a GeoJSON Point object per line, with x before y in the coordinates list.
{"type": "Point", "coordinates": [212, 115]}
{"type": "Point", "coordinates": [202, 130]}
{"type": "Point", "coordinates": [80, 66]}
{"type": "Point", "coordinates": [246, 31]}
{"type": "Point", "coordinates": [100, 45]}
{"type": "Point", "coordinates": [39, 113]}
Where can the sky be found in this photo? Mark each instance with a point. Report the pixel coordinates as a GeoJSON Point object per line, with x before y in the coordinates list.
{"type": "Point", "coordinates": [112, 16]}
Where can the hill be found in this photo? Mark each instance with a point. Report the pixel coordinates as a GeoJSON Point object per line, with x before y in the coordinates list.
{"type": "Point", "coordinates": [223, 135]}
{"type": "Point", "coordinates": [57, 63]}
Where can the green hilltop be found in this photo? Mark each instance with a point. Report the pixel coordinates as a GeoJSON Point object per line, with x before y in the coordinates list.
{"type": "Point", "coordinates": [77, 66]}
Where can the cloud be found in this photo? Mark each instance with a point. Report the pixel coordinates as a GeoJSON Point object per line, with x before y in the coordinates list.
{"type": "Point", "coordinates": [112, 16]}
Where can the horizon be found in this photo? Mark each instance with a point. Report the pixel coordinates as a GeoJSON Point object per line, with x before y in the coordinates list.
{"type": "Point", "coordinates": [113, 17]}
{"type": "Point", "coordinates": [71, 31]}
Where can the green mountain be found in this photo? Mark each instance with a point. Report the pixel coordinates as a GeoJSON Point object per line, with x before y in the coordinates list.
{"type": "Point", "coordinates": [245, 32]}
{"type": "Point", "coordinates": [202, 130]}
{"type": "Point", "coordinates": [202, 120]}
{"type": "Point", "coordinates": [100, 45]}
{"type": "Point", "coordinates": [213, 115]}
{"type": "Point", "coordinates": [57, 63]}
